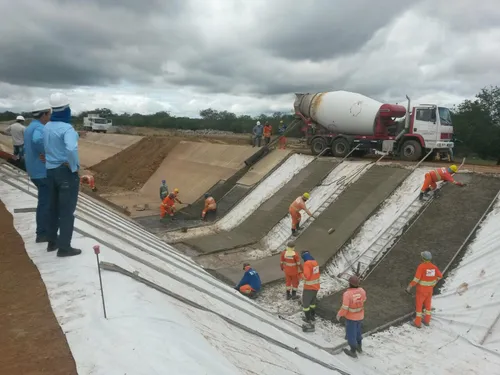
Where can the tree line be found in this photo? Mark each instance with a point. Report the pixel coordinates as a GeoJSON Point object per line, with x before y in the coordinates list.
{"type": "Point", "coordinates": [476, 122]}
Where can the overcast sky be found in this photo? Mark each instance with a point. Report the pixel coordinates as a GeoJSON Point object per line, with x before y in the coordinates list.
{"type": "Point", "coordinates": [244, 56]}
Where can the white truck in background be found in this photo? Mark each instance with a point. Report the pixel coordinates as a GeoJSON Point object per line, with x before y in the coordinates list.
{"type": "Point", "coordinates": [95, 123]}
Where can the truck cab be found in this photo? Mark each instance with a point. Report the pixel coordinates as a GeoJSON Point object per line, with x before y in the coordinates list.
{"type": "Point", "coordinates": [95, 123]}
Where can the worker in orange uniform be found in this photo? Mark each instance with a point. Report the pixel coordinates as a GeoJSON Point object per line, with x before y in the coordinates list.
{"type": "Point", "coordinates": [267, 132]}
{"type": "Point", "coordinates": [88, 180]}
{"type": "Point", "coordinates": [290, 264]}
{"type": "Point", "coordinates": [210, 206]}
{"type": "Point", "coordinates": [282, 139]}
{"type": "Point", "coordinates": [425, 279]}
{"type": "Point", "coordinates": [167, 207]}
{"type": "Point", "coordinates": [311, 287]}
{"type": "Point", "coordinates": [440, 174]}
{"type": "Point", "coordinates": [176, 193]}
{"type": "Point", "coordinates": [353, 309]}
{"type": "Point", "coordinates": [294, 210]}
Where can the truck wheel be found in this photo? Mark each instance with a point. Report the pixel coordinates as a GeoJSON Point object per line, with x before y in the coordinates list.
{"type": "Point", "coordinates": [318, 145]}
{"type": "Point", "coordinates": [411, 150]}
{"type": "Point", "coordinates": [340, 147]}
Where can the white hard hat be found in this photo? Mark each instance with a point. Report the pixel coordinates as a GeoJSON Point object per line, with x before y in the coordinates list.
{"type": "Point", "coordinates": [40, 105]}
{"type": "Point", "coordinates": [20, 118]}
{"type": "Point", "coordinates": [258, 122]}
{"type": "Point", "coordinates": [59, 101]}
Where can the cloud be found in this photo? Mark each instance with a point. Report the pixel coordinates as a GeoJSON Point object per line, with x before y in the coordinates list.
{"type": "Point", "coordinates": [244, 56]}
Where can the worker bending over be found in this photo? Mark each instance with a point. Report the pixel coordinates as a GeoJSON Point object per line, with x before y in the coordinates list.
{"type": "Point", "coordinates": [425, 279]}
{"type": "Point", "coordinates": [167, 207]}
{"type": "Point", "coordinates": [163, 190]}
{"type": "Point", "coordinates": [353, 309]}
{"type": "Point", "coordinates": [176, 194]}
{"type": "Point", "coordinates": [290, 264]}
{"type": "Point", "coordinates": [440, 174]}
{"type": "Point", "coordinates": [88, 180]}
{"type": "Point", "coordinates": [294, 210]}
{"type": "Point", "coordinates": [210, 206]}
{"type": "Point", "coordinates": [250, 283]}
{"type": "Point", "coordinates": [311, 287]}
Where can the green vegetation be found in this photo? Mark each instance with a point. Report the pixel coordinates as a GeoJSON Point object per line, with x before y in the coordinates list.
{"type": "Point", "coordinates": [476, 123]}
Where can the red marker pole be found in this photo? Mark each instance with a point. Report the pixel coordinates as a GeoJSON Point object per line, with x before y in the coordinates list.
{"type": "Point", "coordinates": [97, 250]}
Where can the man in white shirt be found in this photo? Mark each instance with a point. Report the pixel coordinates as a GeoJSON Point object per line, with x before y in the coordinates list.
{"type": "Point", "coordinates": [16, 131]}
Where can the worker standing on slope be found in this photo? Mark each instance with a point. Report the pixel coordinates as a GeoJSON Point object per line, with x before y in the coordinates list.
{"type": "Point", "coordinates": [311, 277]}
{"type": "Point", "coordinates": [210, 206]}
{"type": "Point", "coordinates": [290, 264]}
{"type": "Point", "coordinates": [88, 180]}
{"type": "Point", "coordinates": [440, 174]}
{"type": "Point", "coordinates": [257, 134]}
{"type": "Point", "coordinates": [425, 279]}
{"type": "Point", "coordinates": [268, 130]}
{"type": "Point", "coordinates": [353, 301]}
{"type": "Point", "coordinates": [250, 283]}
{"type": "Point", "coordinates": [282, 140]}
{"type": "Point", "coordinates": [167, 207]}
{"type": "Point", "coordinates": [294, 210]}
{"type": "Point", "coordinates": [16, 131]}
{"type": "Point", "coordinates": [163, 190]}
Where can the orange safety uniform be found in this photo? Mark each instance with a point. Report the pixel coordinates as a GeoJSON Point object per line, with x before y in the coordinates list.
{"type": "Point", "coordinates": [353, 304]}
{"type": "Point", "coordinates": [294, 210]}
{"type": "Point", "coordinates": [89, 180]}
{"type": "Point", "coordinates": [440, 174]}
{"type": "Point", "coordinates": [267, 131]}
{"type": "Point", "coordinates": [311, 275]}
{"type": "Point", "coordinates": [290, 264]}
{"type": "Point", "coordinates": [210, 205]}
{"type": "Point", "coordinates": [167, 207]}
{"type": "Point", "coordinates": [425, 279]}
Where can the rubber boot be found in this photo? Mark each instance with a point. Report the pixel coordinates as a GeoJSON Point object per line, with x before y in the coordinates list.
{"type": "Point", "coordinates": [421, 196]}
{"type": "Point", "coordinates": [359, 349]}
{"type": "Point", "coordinates": [351, 352]}
{"type": "Point", "coordinates": [313, 314]}
{"type": "Point", "coordinates": [294, 295]}
{"type": "Point", "coordinates": [288, 295]}
{"type": "Point", "coordinates": [252, 295]}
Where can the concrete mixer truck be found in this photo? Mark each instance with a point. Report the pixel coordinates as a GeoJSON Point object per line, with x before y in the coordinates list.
{"type": "Point", "coordinates": [341, 120]}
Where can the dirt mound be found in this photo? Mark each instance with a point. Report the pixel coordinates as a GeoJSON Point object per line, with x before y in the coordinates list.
{"type": "Point", "coordinates": [132, 167]}
{"type": "Point", "coordinates": [32, 341]}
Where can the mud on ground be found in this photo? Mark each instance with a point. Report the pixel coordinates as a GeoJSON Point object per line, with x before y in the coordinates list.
{"type": "Point", "coordinates": [31, 340]}
{"type": "Point", "coordinates": [441, 229]}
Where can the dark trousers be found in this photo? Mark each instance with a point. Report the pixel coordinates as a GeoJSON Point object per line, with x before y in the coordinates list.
{"type": "Point", "coordinates": [257, 140]}
{"type": "Point", "coordinates": [353, 332]}
{"type": "Point", "coordinates": [42, 207]}
{"type": "Point", "coordinates": [267, 140]}
{"type": "Point", "coordinates": [19, 151]}
{"type": "Point", "coordinates": [63, 196]}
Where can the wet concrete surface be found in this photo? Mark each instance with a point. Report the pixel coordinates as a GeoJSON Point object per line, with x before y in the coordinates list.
{"type": "Point", "coordinates": [268, 214]}
{"type": "Point", "coordinates": [441, 229]}
{"type": "Point", "coordinates": [347, 214]}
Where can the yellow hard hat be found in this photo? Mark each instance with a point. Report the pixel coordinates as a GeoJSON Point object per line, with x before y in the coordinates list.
{"type": "Point", "coordinates": [306, 195]}
{"type": "Point", "coordinates": [454, 168]}
{"type": "Point", "coordinates": [176, 190]}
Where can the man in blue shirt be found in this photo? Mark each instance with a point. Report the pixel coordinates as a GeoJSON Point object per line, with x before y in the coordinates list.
{"type": "Point", "coordinates": [62, 163]}
{"type": "Point", "coordinates": [35, 164]}
{"type": "Point", "coordinates": [250, 284]}
{"type": "Point", "coordinates": [257, 131]}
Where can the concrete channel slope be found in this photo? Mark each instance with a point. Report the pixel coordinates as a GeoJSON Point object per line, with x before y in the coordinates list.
{"type": "Point", "coordinates": [441, 229]}
{"type": "Point", "coordinates": [227, 193]}
{"type": "Point", "coordinates": [268, 214]}
{"type": "Point", "coordinates": [353, 207]}
{"type": "Point", "coordinates": [195, 167]}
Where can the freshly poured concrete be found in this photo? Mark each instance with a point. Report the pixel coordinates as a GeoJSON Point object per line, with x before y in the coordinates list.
{"type": "Point", "coordinates": [268, 214]}
{"type": "Point", "coordinates": [345, 215]}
